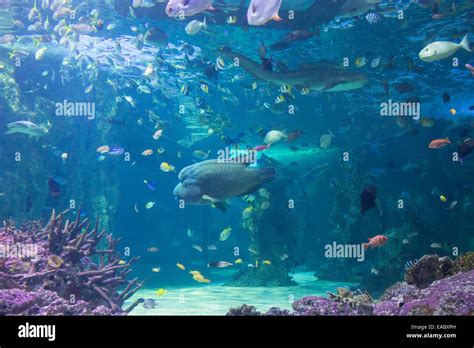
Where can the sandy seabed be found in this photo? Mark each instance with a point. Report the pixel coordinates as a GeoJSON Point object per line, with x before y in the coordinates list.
{"type": "Point", "coordinates": [216, 299]}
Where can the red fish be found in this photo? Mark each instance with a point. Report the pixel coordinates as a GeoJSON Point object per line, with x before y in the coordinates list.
{"type": "Point", "coordinates": [470, 68]}
{"type": "Point", "coordinates": [261, 148]}
{"type": "Point", "coordinates": [376, 241]}
{"type": "Point", "coordinates": [439, 143]}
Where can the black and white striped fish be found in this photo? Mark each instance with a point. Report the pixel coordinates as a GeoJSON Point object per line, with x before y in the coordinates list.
{"type": "Point", "coordinates": [409, 264]}
{"type": "Point", "coordinates": [374, 18]}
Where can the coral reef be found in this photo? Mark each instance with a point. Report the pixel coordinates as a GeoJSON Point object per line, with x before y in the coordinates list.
{"type": "Point", "coordinates": [463, 263]}
{"type": "Point", "coordinates": [283, 231]}
{"type": "Point", "coordinates": [64, 268]}
{"type": "Point", "coordinates": [244, 310]}
{"type": "Point", "coordinates": [449, 295]}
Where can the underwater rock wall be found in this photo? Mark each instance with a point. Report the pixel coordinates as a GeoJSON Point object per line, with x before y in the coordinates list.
{"type": "Point", "coordinates": [273, 231]}
{"type": "Point", "coordinates": [32, 161]}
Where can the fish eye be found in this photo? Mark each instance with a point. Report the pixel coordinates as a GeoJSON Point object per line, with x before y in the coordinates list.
{"type": "Point", "coordinates": [185, 2]}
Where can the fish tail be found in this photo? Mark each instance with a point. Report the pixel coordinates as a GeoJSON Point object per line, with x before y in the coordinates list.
{"type": "Point", "coordinates": [205, 23]}
{"type": "Point", "coordinates": [465, 44]}
{"type": "Point", "coordinates": [448, 141]}
{"type": "Point", "coordinates": [365, 245]}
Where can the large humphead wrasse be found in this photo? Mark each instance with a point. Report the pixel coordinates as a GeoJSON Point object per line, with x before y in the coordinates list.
{"type": "Point", "coordinates": [215, 181]}
{"type": "Point", "coordinates": [319, 77]}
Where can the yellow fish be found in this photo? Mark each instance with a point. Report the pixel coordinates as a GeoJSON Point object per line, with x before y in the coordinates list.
{"type": "Point", "coordinates": [150, 205]}
{"type": "Point", "coordinates": [305, 91]}
{"type": "Point", "coordinates": [360, 62]}
{"type": "Point", "coordinates": [122, 262]}
{"type": "Point", "coordinates": [220, 63]}
{"type": "Point", "coordinates": [147, 152]}
{"type": "Point", "coordinates": [247, 212]}
{"type": "Point", "coordinates": [225, 234]}
{"type": "Point", "coordinates": [453, 112]}
{"type": "Point", "coordinates": [156, 269]}
{"type": "Point", "coordinates": [443, 198]}
{"type": "Point", "coordinates": [254, 85]}
{"type": "Point", "coordinates": [201, 279]}
{"type": "Point", "coordinates": [205, 88]}
{"type": "Point", "coordinates": [195, 273]}
{"type": "Point", "coordinates": [267, 262]}
{"type": "Point", "coordinates": [185, 89]}
{"type": "Point", "coordinates": [239, 261]}
{"type": "Point", "coordinates": [285, 89]}
{"type": "Point", "coordinates": [231, 20]}
{"type": "Point", "coordinates": [280, 99]}
{"type": "Point", "coordinates": [160, 292]}
{"type": "Point", "coordinates": [180, 266]}
{"type": "Point", "coordinates": [166, 167]}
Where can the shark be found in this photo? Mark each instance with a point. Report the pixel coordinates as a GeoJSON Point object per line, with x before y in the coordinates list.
{"type": "Point", "coordinates": [317, 77]}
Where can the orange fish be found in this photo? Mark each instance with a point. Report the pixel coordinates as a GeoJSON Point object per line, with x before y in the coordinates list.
{"type": "Point", "coordinates": [376, 241]}
{"type": "Point", "coordinates": [439, 143]}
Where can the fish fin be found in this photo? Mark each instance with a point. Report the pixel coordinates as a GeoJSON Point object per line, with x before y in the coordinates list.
{"type": "Point", "coordinates": [331, 85]}
{"type": "Point", "coordinates": [277, 18]}
{"type": "Point", "coordinates": [209, 199]}
{"type": "Point", "coordinates": [215, 203]}
{"type": "Point", "coordinates": [465, 44]}
{"type": "Point", "coordinates": [222, 206]}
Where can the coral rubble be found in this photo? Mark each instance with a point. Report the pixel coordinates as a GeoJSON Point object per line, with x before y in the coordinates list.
{"type": "Point", "coordinates": [72, 269]}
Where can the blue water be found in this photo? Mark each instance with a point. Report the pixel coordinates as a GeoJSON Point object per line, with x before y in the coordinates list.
{"type": "Point", "coordinates": [345, 146]}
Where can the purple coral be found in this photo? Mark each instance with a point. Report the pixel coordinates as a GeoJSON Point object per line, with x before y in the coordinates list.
{"type": "Point", "coordinates": [448, 296]}
{"type": "Point", "coordinates": [61, 278]}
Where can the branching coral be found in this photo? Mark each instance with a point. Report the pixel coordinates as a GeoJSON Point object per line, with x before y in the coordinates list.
{"type": "Point", "coordinates": [72, 262]}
